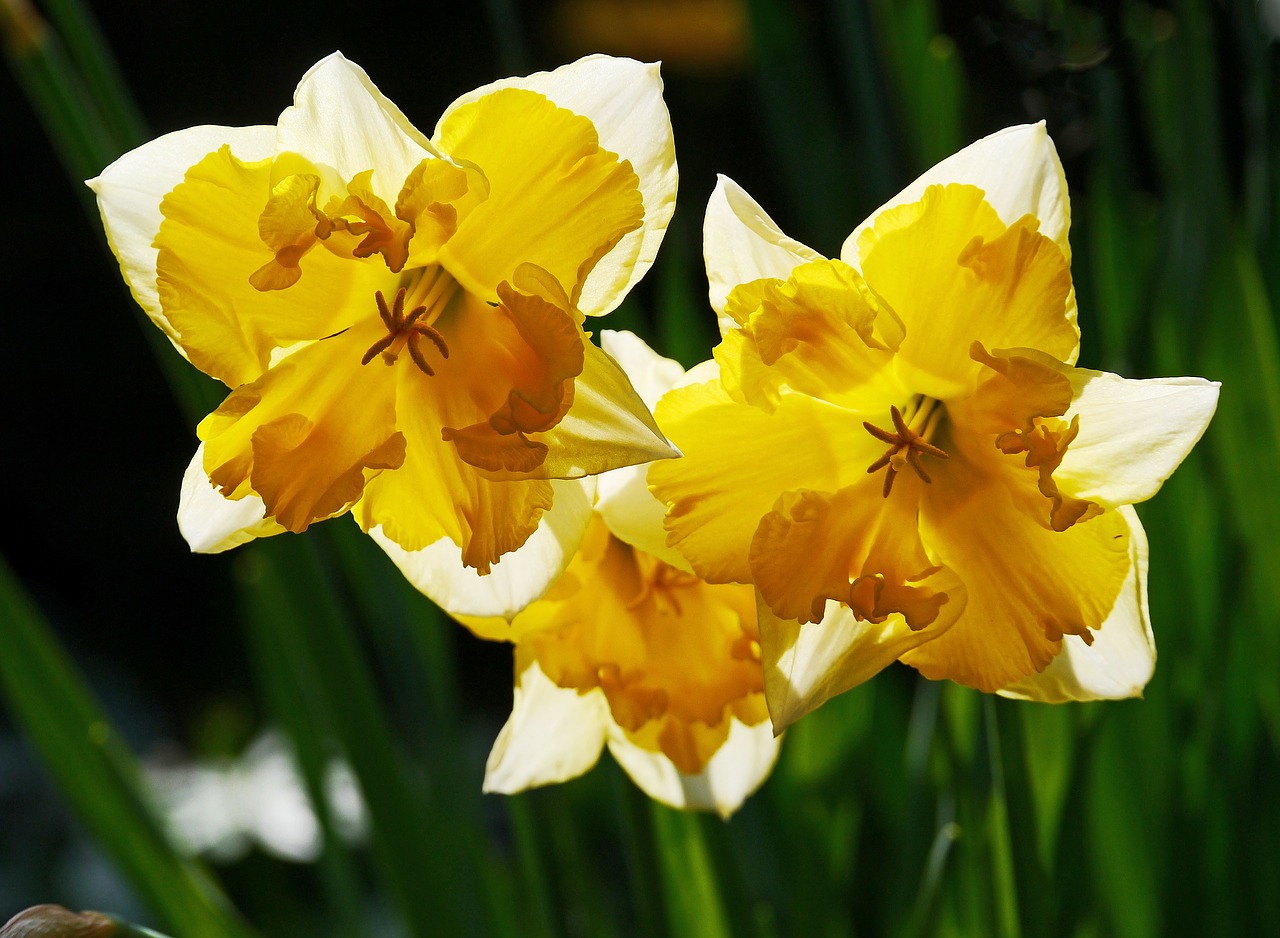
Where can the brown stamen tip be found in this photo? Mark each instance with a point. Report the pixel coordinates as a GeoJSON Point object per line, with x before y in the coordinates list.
{"type": "Point", "coordinates": [905, 445]}
{"type": "Point", "coordinates": [416, 354]}
{"type": "Point", "coordinates": [403, 329]}
{"type": "Point", "coordinates": [377, 347]}
{"type": "Point", "coordinates": [434, 335]}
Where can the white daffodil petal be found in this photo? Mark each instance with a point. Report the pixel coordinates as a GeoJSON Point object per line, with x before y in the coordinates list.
{"type": "Point", "coordinates": [742, 243]}
{"type": "Point", "coordinates": [622, 495]}
{"type": "Point", "coordinates": [1122, 657]}
{"type": "Point", "coordinates": [1133, 433]}
{"type": "Point", "coordinates": [211, 523]}
{"type": "Point", "coordinates": [623, 99]}
{"type": "Point", "coordinates": [633, 515]}
{"type": "Point", "coordinates": [607, 425]}
{"type": "Point", "coordinates": [131, 189]}
{"type": "Point", "coordinates": [737, 769]}
{"type": "Point", "coordinates": [651, 374]}
{"type": "Point", "coordinates": [553, 734]}
{"type": "Point", "coordinates": [807, 665]}
{"type": "Point", "coordinates": [341, 122]}
{"type": "Point", "coordinates": [1018, 169]}
{"type": "Point", "coordinates": [518, 578]}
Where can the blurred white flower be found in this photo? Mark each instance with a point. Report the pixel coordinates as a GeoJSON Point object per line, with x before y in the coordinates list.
{"type": "Point", "coordinates": [223, 807]}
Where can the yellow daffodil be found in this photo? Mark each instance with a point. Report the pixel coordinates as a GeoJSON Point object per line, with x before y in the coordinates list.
{"type": "Point", "coordinates": [631, 649]}
{"type": "Point", "coordinates": [400, 318]}
{"type": "Point", "coordinates": [896, 448]}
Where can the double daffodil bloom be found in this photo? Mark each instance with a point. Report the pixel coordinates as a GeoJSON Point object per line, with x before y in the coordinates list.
{"type": "Point", "coordinates": [896, 448]}
{"type": "Point", "coordinates": [400, 318]}
{"type": "Point", "coordinates": [630, 649]}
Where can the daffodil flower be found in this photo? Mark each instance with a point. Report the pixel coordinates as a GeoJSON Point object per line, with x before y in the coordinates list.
{"type": "Point", "coordinates": [631, 650]}
{"type": "Point", "coordinates": [400, 318]}
{"type": "Point", "coordinates": [897, 449]}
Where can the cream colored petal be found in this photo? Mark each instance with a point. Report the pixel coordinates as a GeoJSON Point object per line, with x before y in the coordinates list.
{"type": "Point", "coordinates": [1122, 657]}
{"type": "Point", "coordinates": [651, 374]}
{"type": "Point", "coordinates": [623, 98]}
{"type": "Point", "coordinates": [340, 121]}
{"type": "Point", "coordinates": [553, 734]}
{"type": "Point", "coordinates": [738, 768]}
{"type": "Point", "coordinates": [1133, 433]}
{"type": "Point", "coordinates": [130, 190]}
{"type": "Point", "coordinates": [1018, 169]}
{"type": "Point", "coordinates": [211, 523]}
{"type": "Point", "coordinates": [622, 495]}
{"type": "Point", "coordinates": [518, 578]}
{"type": "Point", "coordinates": [742, 243]}
{"type": "Point", "coordinates": [807, 665]}
{"type": "Point", "coordinates": [607, 427]}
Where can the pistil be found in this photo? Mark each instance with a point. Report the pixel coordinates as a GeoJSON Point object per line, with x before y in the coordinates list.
{"type": "Point", "coordinates": [405, 331]}
{"type": "Point", "coordinates": [907, 441]}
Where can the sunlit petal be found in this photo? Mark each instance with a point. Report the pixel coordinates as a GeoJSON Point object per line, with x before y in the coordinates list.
{"type": "Point", "coordinates": [552, 735]}
{"type": "Point", "coordinates": [807, 665]}
{"type": "Point", "coordinates": [130, 191]}
{"type": "Point", "coordinates": [209, 247]}
{"type": "Point", "coordinates": [1122, 657]}
{"type": "Point", "coordinates": [742, 244]}
{"type": "Point", "coordinates": [623, 99]}
{"type": "Point", "coordinates": [1133, 433]}
{"type": "Point", "coordinates": [556, 199]}
{"type": "Point", "coordinates": [1017, 168]}
{"type": "Point", "coordinates": [737, 458]}
{"type": "Point", "coordinates": [513, 582]}
{"type": "Point", "coordinates": [1030, 588]}
{"type": "Point", "coordinates": [344, 124]}
{"type": "Point", "coordinates": [739, 767]}
{"type": "Point", "coordinates": [212, 523]}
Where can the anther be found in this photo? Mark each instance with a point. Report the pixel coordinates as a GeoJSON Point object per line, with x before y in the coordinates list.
{"type": "Point", "coordinates": [403, 332]}
{"type": "Point", "coordinates": [905, 447]}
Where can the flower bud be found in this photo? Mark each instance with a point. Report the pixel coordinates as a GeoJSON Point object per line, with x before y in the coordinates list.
{"type": "Point", "coordinates": [53, 921]}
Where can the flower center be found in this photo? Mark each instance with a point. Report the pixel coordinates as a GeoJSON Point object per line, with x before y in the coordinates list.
{"type": "Point", "coordinates": [406, 331]}
{"type": "Point", "coordinates": [907, 440]}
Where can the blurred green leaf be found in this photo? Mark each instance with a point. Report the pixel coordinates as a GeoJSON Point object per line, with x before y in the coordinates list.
{"type": "Point", "coordinates": [96, 772]}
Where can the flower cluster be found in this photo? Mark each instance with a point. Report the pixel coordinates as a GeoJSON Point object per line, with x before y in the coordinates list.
{"type": "Point", "coordinates": [891, 455]}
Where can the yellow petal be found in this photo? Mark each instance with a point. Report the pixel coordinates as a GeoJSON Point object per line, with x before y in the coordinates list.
{"type": "Point", "coordinates": [555, 198]}
{"type": "Point", "coordinates": [436, 494]}
{"type": "Point", "coordinates": [622, 495]}
{"type": "Point", "coordinates": [955, 274]}
{"type": "Point", "coordinates": [308, 433]}
{"type": "Point", "coordinates": [486, 603]}
{"type": "Point", "coordinates": [607, 427]}
{"type": "Point", "coordinates": [674, 656]}
{"type": "Point", "coordinates": [210, 522]}
{"type": "Point", "coordinates": [1122, 657]}
{"type": "Point", "coordinates": [807, 665]}
{"type": "Point", "coordinates": [209, 246]}
{"type": "Point", "coordinates": [742, 243]}
{"type": "Point", "coordinates": [1017, 169]}
{"type": "Point", "coordinates": [623, 100]}
{"type": "Point", "coordinates": [737, 459]}
{"type": "Point", "coordinates": [131, 189]}
{"type": "Point", "coordinates": [823, 332]}
{"type": "Point", "coordinates": [1029, 586]}
{"type": "Point", "coordinates": [855, 547]}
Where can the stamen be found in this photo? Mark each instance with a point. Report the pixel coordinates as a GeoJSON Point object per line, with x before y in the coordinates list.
{"type": "Point", "coordinates": [405, 331]}
{"type": "Point", "coordinates": [906, 442]}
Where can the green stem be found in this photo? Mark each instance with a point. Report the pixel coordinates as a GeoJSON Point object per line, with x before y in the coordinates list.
{"type": "Point", "coordinates": [695, 907]}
